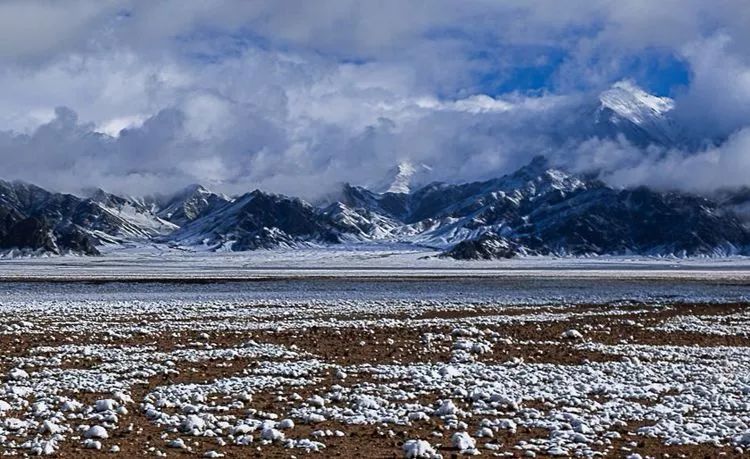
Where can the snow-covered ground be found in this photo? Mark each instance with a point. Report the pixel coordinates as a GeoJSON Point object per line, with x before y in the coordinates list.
{"type": "Point", "coordinates": [373, 354]}
{"type": "Point", "coordinates": [359, 260]}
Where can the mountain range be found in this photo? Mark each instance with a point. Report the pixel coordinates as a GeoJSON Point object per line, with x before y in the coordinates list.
{"type": "Point", "coordinates": [537, 210]}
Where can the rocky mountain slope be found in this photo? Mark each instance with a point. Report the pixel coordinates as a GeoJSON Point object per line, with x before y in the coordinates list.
{"type": "Point", "coordinates": [37, 220]}
{"type": "Point", "coordinates": [542, 210]}
{"type": "Point", "coordinates": [189, 204]}
{"type": "Point", "coordinates": [258, 220]}
{"type": "Point", "coordinates": [538, 209]}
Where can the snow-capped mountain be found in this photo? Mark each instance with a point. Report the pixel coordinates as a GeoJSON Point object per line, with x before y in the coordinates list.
{"type": "Point", "coordinates": [189, 204]}
{"type": "Point", "coordinates": [627, 111]}
{"type": "Point", "coordinates": [634, 104]}
{"type": "Point", "coordinates": [360, 224]}
{"type": "Point", "coordinates": [258, 220]}
{"type": "Point", "coordinates": [539, 209]}
{"type": "Point", "coordinates": [403, 178]}
{"type": "Point", "coordinates": [126, 218]}
{"type": "Point", "coordinates": [440, 215]}
{"type": "Point", "coordinates": [27, 221]}
{"type": "Point", "coordinates": [543, 210]}
{"type": "Point", "coordinates": [36, 219]}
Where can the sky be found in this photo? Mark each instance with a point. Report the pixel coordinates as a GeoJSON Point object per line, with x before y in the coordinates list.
{"type": "Point", "coordinates": [297, 97]}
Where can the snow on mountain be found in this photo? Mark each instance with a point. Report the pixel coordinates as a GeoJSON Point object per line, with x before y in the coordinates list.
{"type": "Point", "coordinates": [131, 218]}
{"type": "Point", "coordinates": [535, 179]}
{"type": "Point", "coordinates": [403, 178]}
{"type": "Point", "coordinates": [401, 183]}
{"type": "Point", "coordinates": [36, 220]}
{"type": "Point", "coordinates": [357, 224]}
{"type": "Point", "coordinates": [642, 118]}
{"type": "Point", "coordinates": [441, 215]}
{"type": "Point", "coordinates": [539, 209]}
{"type": "Point", "coordinates": [258, 220]}
{"type": "Point", "coordinates": [392, 205]}
{"type": "Point", "coordinates": [634, 104]}
{"type": "Point", "coordinates": [190, 204]}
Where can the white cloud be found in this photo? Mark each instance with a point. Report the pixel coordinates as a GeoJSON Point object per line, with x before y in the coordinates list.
{"type": "Point", "coordinates": [114, 126]}
{"type": "Point", "coordinates": [724, 166]}
{"type": "Point", "coordinates": [295, 96]}
{"type": "Point", "coordinates": [718, 99]}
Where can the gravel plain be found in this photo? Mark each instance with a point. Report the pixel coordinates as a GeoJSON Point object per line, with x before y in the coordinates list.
{"type": "Point", "coordinates": [399, 367]}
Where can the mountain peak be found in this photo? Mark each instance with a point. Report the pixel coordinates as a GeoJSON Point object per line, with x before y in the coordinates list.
{"type": "Point", "coordinates": [96, 194]}
{"type": "Point", "coordinates": [405, 171]}
{"type": "Point", "coordinates": [108, 199]}
{"type": "Point", "coordinates": [537, 166]}
{"type": "Point", "coordinates": [193, 189]}
{"type": "Point", "coordinates": [633, 103]}
{"type": "Point", "coordinates": [190, 203]}
{"type": "Point", "coordinates": [403, 178]}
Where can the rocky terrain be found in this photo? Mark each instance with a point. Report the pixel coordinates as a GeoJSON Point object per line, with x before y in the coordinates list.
{"type": "Point", "coordinates": [409, 369]}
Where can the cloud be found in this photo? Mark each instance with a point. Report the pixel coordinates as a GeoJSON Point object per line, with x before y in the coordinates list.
{"type": "Point", "coordinates": [720, 167]}
{"type": "Point", "coordinates": [717, 103]}
{"type": "Point", "coordinates": [34, 30]}
{"type": "Point", "coordinates": [296, 97]}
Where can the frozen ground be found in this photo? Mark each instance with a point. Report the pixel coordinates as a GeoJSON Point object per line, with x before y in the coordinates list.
{"type": "Point", "coordinates": [359, 261]}
{"type": "Point", "coordinates": [548, 358]}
